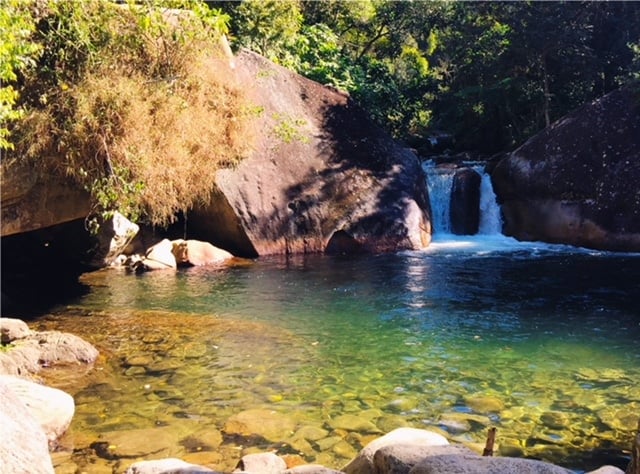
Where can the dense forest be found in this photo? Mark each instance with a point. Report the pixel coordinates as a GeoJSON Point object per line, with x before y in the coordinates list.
{"type": "Point", "coordinates": [489, 73]}
{"type": "Point", "coordinates": [88, 88]}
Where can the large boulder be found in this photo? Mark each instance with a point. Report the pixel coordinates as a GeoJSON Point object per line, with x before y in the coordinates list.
{"type": "Point", "coordinates": [53, 409]}
{"type": "Point", "coordinates": [578, 181]}
{"type": "Point", "coordinates": [319, 168]}
{"type": "Point", "coordinates": [24, 446]}
{"type": "Point", "coordinates": [195, 252]}
{"type": "Point", "coordinates": [32, 201]}
{"type": "Point", "coordinates": [413, 437]}
{"type": "Point", "coordinates": [464, 208]}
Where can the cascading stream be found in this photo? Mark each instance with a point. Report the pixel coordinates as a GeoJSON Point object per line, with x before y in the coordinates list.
{"type": "Point", "coordinates": [439, 183]}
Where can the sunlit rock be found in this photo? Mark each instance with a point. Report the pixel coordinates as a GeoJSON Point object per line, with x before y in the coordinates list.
{"type": "Point", "coordinates": [159, 257]}
{"type": "Point", "coordinates": [12, 329]}
{"type": "Point", "coordinates": [169, 465]}
{"type": "Point", "coordinates": [53, 409]}
{"type": "Point", "coordinates": [363, 463]}
{"type": "Point", "coordinates": [195, 252]}
{"type": "Point", "coordinates": [24, 446]}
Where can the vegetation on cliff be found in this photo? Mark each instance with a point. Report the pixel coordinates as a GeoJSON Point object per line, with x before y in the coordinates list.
{"type": "Point", "coordinates": [120, 95]}
{"type": "Point", "coordinates": [491, 73]}
{"type": "Point", "coordinates": [132, 101]}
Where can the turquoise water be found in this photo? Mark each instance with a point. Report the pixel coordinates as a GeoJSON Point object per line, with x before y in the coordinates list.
{"type": "Point", "coordinates": [539, 341]}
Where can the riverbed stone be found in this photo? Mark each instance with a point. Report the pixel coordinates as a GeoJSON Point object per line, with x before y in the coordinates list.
{"type": "Point", "coordinates": [268, 424]}
{"type": "Point", "coordinates": [485, 404]}
{"type": "Point", "coordinates": [138, 443]}
{"type": "Point", "coordinates": [556, 420]}
{"type": "Point", "coordinates": [167, 466]}
{"type": "Point", "coordinates": [351, 422]}
{"type": "Point", "coordinates": [311, 433]}
{"type": "Point", "coordinates": [363, 462]}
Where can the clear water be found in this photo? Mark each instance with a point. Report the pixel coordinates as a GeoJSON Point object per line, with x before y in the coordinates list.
{"type": "Point", "coordinates": [539, 341]}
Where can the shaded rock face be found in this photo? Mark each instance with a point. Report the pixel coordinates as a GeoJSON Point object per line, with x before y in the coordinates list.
{"type": "Point", "coordinates": [31, 202]}
{"type": "Point", "coordinates": [465, 202]}
{"type": "Point", "coordinates": [319, 168]}
{"type": "Point", "coordinates": [578, 181]}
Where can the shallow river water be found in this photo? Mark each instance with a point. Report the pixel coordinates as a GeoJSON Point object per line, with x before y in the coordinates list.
{"type": "Point", "coordinates": [316, 356]}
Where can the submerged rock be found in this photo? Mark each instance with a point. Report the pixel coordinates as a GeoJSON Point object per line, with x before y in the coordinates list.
{"type": "Point", "coordinates": [268, 424]}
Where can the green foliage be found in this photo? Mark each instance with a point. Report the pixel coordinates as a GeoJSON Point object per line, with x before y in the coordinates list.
{"type": "Point", "coordinates": [493, 73]}
{"type": "Point", "coordinates": [18, 53]}
{"type": "Point", "coordinates": [269, 27]}
{"type": "Point", "coordinates": [111, 80]}
{"type": "Point", "coordinates": [289, 129]}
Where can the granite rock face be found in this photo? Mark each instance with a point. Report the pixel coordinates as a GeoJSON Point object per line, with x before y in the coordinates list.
{"type": "Point", "coordinates": [321, 176]}
{"type": "Point", "coordinates": [578, 181]}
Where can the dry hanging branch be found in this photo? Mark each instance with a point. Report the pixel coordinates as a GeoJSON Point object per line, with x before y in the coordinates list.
{"type": "Point", "coordinates": [491, 439]}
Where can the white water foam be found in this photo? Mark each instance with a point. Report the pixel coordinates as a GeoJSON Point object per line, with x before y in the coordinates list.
{"type": "Point", "coordinates": [489, 239]}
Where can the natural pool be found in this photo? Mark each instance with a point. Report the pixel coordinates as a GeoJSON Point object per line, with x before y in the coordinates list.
{"type": "Point", "coordinates": [327, 353]}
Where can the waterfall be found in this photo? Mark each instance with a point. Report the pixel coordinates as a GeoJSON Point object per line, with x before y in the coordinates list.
{"type": "Point", "coordinates": [439, 183]}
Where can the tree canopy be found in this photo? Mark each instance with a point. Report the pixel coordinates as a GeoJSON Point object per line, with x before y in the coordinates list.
{"type": "Point", "coordinates": [490, 73]}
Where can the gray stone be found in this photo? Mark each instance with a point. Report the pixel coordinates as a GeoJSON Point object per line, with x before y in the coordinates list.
{"type": "Point", "coordinates": [167, 466]}
{"type": "Point", "coordinates": [577, 182]}
{"type": "Point", "coordinates": [400, 458]}
{"type": "Point", "coordinates": [363, 462]}
{"type": "Point", "coordinates": [53, 409]}
{"type": "Point", "coordinates": [607, 470]}
{"type": "Point", "coordinates": [24, 446]}
{"type": "Point", "coordinates": [464, 208]}
{"type": "Point", "coordinates": [311, 469]}
{"type": "Point", "coordinates": [474, 464]}
{"type": "Point", "coordinates": [114, 234]}
{"type": "Point", "coordinates": [13, 329]}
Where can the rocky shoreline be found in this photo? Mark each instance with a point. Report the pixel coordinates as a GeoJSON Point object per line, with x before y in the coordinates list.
{"type": "Point", "coordinates": [34, 417]}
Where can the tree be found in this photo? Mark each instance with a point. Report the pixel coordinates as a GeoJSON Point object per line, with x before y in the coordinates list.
{"type": "Point", "coordinates": [18, 53]}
